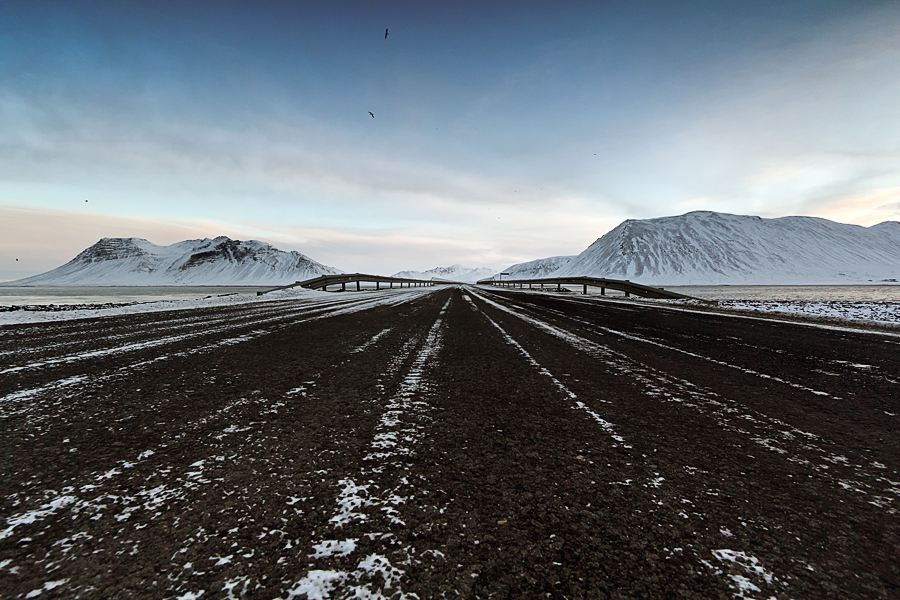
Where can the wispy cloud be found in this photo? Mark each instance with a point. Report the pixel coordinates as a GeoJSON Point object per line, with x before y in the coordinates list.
{"type": "Point", "coordinates": [501, 150]}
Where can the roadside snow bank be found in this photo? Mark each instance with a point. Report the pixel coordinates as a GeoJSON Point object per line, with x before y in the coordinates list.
{"type": "Point", "coordinates": [882, 312]}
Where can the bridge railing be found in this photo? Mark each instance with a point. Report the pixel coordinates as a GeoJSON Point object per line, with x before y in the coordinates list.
{"type": "Point", "coordinates": [622, 285]}
{"type": "Point", "coordinates": [322, 282]}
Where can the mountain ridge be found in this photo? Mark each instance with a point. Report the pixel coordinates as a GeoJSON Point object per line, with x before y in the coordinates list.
{"type": "Point", "coordinates": [535, 269]}
{"type": "Point", "coordinates": [216, 261]}
{"type": "Point", "coordinates": [455, 272]}
{"type": "Point", "coordinates": [710, 248]}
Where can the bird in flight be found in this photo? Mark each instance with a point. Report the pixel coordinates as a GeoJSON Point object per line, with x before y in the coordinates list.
{"type": "Point", "coordinates": [385, 34]}
{"type": "Point", "coordinates": [370, 112]}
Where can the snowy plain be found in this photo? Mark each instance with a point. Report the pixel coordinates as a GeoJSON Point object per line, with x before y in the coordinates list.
{"type": "Point", "coordinates": [25, 316]}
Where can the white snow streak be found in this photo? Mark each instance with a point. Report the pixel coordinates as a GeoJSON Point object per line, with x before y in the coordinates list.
{"type": "Point", "coordinates": [396, 435]}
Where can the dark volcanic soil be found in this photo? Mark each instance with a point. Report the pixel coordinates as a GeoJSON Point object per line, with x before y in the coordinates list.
{"type": "Point", "coordinates": [447, 442]}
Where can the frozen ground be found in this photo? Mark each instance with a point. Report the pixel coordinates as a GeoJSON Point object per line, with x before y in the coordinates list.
{"type": "Point", "coordinates": [439, 442]}
{"type": "Point", "coordinates": [46, 316]}
{"type": "Point", "coordinates": [881, 312]}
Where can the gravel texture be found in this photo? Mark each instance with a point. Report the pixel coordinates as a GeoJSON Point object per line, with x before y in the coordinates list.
{"type": "Point", "coordinates": [447, 442]}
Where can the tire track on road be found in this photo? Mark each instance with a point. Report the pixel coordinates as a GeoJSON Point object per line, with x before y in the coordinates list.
{"type": "Point", "coordinates": [241, 456]}
{"type": "Point", "coordinates": [772, 434]}
{"type": "Point", "coordinates": [373, 503]}
{"type": "Point", "coordinates": [820, 455]}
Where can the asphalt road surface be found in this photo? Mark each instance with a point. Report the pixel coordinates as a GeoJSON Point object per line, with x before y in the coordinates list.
{"type": "Point", "coordinates": [448, 442]}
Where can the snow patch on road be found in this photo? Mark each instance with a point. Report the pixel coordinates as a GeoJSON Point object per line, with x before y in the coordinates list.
{"type": "Point", "coordinates": [742, 584]}
{"type": "Point", "coordinates": [399, 430]}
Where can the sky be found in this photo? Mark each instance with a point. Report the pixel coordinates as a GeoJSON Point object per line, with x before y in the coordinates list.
{"type": "Point", "coordinates": [502, 131]}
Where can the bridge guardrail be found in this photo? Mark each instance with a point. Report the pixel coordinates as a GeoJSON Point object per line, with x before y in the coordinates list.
{"type": "Point", "coordinates": [323, 281]}
{"type": "Point", "coordinates": [622, 285]}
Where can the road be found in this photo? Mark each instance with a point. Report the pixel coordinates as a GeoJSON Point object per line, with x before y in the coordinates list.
{"type": "Point", "coordinates": [448, 442]}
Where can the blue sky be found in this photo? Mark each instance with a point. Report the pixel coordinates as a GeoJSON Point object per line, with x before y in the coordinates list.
{"type": "Point", "coordinates": [503, 131]}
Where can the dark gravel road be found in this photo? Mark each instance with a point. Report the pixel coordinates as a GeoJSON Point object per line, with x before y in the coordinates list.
{"type": "Point", "coordinates": [448, 442]}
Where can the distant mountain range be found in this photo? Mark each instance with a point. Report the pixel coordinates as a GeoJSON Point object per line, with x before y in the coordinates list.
{"type": "Point", "coordinates": [698, 248]}
{"type": "Point", "coordinates": [709, 248]}
{"type": "Point", "coordinates": [219, 261]}
{"type": "Point", "coordinates": [454, 273]}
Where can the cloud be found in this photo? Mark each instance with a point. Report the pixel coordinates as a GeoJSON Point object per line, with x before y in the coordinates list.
{"type": "Point", "coordinates": [865, 208]}
{"type": "Point", "coordinates": [787, 126]}
{"type": "Point", "coordinates": [269, 160]}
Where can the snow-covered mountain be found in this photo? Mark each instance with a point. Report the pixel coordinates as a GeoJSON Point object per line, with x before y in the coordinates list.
{"type": "Point", "coordinates": [535, 269]}
{"type": "Point", "coordinates": [221, 261]}
{"type": "Point", "coordinates": [705, 247]}
{"type": "Point", "coordinates": [454, 273]}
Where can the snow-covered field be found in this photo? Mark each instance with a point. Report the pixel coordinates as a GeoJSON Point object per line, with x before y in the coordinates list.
{"type": "Point", "coordinates": [28, 316]}
{"type": "Point", "coordinates": [881, 312]}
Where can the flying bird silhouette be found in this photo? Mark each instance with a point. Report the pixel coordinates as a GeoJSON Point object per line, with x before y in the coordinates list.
{"type": "Point", "coordinates": [385, 33]}
{"type": "Point", "coordinates": [370, 112]}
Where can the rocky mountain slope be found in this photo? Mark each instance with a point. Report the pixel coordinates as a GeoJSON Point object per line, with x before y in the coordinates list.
{"type": "Point", "coordinates": [453, 273]}
{"type": "Point", "coordinates": [535, 269]}
{"type": "Point", "coordinates": [219, 261]}
{"type": "Point", "coordinates": [705, 247]}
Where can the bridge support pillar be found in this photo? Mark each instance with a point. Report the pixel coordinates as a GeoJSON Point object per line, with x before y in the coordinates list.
{"type": "Point", "coordinates": [324, 287]}
{"type": "Point", "coordinates": [357, 286]}
{"type": "Point", "coordinates": [627, 295]}
{"type": "Point", "coordinates": [584, 292]}
{"type": "Point", "coordinates": [343, 287]}
{"type": "Point", "coordinates": [602, 291]}
{"type": "Point", "coordinates": [558, 287]}
{"type": "Point", "coordinates": [377, 285]}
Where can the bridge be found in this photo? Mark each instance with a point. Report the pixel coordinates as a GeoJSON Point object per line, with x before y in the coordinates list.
{"type": "Point", "coordinates": [622, 285]}
{"type": "Point", "coordinates": [322, 282]}
{"type": "Point", "coordinates": [628, 287]}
